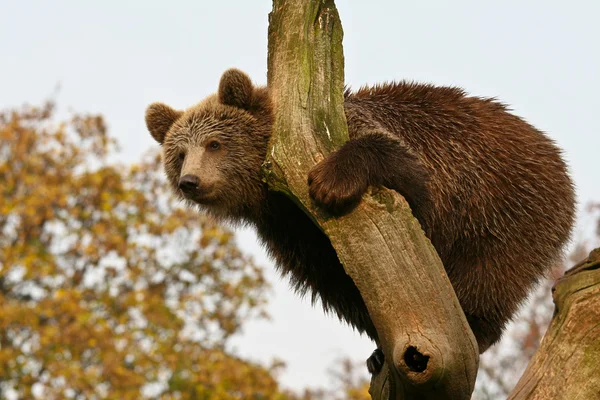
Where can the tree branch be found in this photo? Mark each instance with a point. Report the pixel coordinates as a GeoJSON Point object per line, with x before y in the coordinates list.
{"type": "Point", "coordinates": [422, 329]}
{"type": "Point", "coordinates": [567, 363]}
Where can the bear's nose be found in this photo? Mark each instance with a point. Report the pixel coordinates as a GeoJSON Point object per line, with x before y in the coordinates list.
{"type": "Point", "coordinates": [189, 183]}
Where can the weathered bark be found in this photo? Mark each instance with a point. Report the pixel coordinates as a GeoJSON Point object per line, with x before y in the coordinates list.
{"type": "Point", "coordinates": [567, 363]}
{"type": "Point", "coordinates": [381, 245]}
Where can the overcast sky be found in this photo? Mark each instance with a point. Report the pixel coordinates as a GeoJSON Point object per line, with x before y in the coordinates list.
{"type": "Point", "coordinates": [116, 57]}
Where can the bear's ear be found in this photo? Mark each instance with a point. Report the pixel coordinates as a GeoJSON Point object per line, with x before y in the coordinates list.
{"type": "Point", "coordinates": [236, 89]}
{"type": "Point", "coordinates": [159, 119]}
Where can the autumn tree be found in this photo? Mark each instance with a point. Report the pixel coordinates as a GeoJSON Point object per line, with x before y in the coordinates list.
{"type": "Point", "coordinates": [108, 287]}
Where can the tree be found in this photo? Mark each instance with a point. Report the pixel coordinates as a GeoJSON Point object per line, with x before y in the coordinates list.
{"type": "Point", "coordinates": [429, 349]}
{"type": "Point", "coordinates": [109, 289]}
{"type": "Point", "coordinates": [423, 332]}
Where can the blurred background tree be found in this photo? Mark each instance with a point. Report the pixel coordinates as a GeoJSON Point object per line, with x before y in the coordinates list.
{"type": "Point", "coordinates": [109, 289]}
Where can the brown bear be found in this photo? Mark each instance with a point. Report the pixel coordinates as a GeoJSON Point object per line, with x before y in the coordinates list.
{"type": "Point", "coordinates": [491, 192]}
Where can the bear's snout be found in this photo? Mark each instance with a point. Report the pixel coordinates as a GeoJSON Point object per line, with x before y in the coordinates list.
{"type": "Point", "coordinates": [197, 190]}
{"type": "Point", "coordinates": [189, 184]}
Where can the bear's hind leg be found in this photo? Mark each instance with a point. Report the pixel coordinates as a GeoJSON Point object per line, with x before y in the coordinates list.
{"type": "Point", "coordinates": [375, 361]}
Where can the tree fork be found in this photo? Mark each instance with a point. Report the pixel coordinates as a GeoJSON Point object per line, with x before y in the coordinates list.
{"type": "Point", "coordinates": [430, 350]}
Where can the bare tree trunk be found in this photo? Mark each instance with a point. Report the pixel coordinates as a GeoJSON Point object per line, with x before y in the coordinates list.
{"type": "Point", "coordinates": [567, 363]}
{"type": "Point", "coordinates": [381, 245]}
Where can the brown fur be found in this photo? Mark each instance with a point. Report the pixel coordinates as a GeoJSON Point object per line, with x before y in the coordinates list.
{"type": "Point", "coordinates": [490, 191]}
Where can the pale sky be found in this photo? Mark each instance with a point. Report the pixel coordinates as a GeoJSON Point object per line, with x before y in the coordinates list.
{"type": "Point", "coordinates": [115, 57]}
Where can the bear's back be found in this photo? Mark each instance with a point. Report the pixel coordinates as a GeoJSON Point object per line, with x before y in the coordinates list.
{"type": "Point", "coordinates": [494, 179]}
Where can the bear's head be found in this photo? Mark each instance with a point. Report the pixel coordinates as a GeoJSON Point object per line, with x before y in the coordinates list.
{"type": "Point", "coordinates": [213, 151]}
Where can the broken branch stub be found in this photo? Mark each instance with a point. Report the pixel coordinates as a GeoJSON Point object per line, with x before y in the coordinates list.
{"type": "Point", "coordinates": [567, 363]}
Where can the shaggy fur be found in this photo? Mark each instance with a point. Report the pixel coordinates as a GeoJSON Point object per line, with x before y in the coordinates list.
{"type": "Point", "coordinates": [491, 192]}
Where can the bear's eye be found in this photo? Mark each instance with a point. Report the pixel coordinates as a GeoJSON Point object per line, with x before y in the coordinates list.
{"type": "Point", "coordinates": [181, 156]}
{"type": "Point", "coordinates": [213, 145]}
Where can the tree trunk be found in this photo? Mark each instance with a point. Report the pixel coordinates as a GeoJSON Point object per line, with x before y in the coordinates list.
{"type": "Point", "coordinates": [381, 245]}
{"type": "Point", "coordinates": [567, 363]}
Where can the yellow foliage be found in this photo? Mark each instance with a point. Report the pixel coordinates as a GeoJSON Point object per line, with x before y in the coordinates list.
{"type": "Point", "coordinates": [106, 284]}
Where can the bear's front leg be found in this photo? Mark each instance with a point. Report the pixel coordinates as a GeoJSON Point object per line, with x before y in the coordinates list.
{"type": "Point", "coordinates": [376, 158]}
{"type": "Point", "coordinates": [338, 182]}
